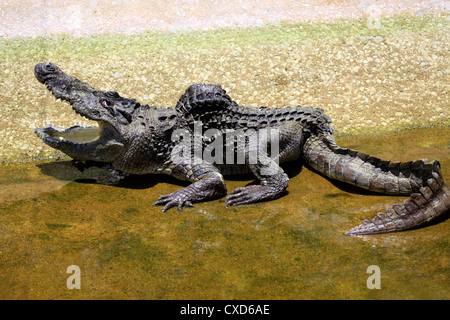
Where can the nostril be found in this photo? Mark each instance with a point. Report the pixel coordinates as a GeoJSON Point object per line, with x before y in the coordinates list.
{"type": "Point", "coordinates": [45, 68]}
{"type": "Point", "coordinates": [49, 67]}
{"type": "Point", "coordinates": [43, 71]}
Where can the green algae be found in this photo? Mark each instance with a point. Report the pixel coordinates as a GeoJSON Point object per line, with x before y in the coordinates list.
{"type": "Point", "coordinates": [290, 248]}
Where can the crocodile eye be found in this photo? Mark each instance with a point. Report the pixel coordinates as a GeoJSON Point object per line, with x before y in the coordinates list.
{"type": "Point", "coordinates": [105, 103]}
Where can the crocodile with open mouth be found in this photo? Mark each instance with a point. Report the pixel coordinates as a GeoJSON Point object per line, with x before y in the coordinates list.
{"type": "Point", "coordinates": [141, 139]}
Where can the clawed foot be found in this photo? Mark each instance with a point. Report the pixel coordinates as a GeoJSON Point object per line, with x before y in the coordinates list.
{"type": "Point", "coordinates": [250, 194]}
{"type": "Point", "coordinates": [239, 196]}
{"type": "Point", "coordinates": [174, 199]}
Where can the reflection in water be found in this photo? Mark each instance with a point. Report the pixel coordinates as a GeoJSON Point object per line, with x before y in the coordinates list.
{"type": "Point", "coordinates": [54, 215]}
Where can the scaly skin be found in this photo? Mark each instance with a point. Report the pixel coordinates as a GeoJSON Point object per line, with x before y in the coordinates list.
{"type": "Point", "coordinates": [430, 196]}
{"type": "Point", "coordinates": [137, 139]}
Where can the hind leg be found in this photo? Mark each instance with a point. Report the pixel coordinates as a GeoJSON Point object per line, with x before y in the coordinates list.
{"type": "Point", "coordinates": [270, 187]}
{"type": "Point", "coordinates": [273, 180]}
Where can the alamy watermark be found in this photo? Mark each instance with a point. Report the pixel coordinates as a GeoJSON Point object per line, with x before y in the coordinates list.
{"type": "Point", "coordinates": [74, 281]}
{"type": "Point", "coordinates": [374, 281]}
{"type": "Point", "coordinates": [231, 147]}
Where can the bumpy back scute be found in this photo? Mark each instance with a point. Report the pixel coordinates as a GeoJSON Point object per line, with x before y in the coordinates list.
{"type": "Point", "coordinates": [210, 104]}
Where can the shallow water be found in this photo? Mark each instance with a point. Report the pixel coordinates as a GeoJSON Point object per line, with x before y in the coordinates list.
{"type": "Point", "coordinates": [290, 248]}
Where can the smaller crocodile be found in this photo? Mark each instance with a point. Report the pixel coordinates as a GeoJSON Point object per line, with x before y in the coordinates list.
{"type": "Point", "coordinates": [139, 139]}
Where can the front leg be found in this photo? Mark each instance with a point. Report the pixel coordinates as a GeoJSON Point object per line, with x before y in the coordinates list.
{"type": "Point", "coordinates": [207, 184]}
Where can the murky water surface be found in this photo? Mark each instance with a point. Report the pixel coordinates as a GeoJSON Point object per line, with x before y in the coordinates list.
{"type": "Point", "coordinates": [290, 248]}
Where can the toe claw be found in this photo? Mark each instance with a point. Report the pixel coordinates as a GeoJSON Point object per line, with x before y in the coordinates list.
{"type": "Point", "coordinates": [250, 194]}
{"type": "Point", "coordinates": [169, 205]}
{"type": "Point", "coordinates": [173, 200]}
{"type": "Point", "coordinates": [158, 203]}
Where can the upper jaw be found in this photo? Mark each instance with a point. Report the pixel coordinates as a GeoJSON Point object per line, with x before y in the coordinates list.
{"type": "Point", "coordinates": [57, 82]}
{"type": "Point", "coordinates": [85, 100]}
{"type": "Point", "coordinates": [80, 95]}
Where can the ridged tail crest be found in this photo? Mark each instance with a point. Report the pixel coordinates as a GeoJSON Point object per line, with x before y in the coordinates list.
{"type": "Point", "coordinates": [422, 180]}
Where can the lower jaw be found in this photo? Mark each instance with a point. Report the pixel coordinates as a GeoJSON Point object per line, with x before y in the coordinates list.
{"type": "Point", "coordinates": [74, 134]}
{"type": "Point", "coordinates": [74, 141]}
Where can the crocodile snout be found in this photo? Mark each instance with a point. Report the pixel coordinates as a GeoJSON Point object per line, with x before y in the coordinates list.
{"type": "Point", "coordinates": [45, 71]}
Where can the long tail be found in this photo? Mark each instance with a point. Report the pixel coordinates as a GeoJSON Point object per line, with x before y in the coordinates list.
{"type": "Point", "coordinates": [429, 195]}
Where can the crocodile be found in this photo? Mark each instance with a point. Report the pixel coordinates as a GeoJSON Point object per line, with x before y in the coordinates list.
{"type": "Point", "coordinates": [186, 141]}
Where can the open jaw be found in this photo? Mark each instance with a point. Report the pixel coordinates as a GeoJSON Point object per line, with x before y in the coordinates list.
{"type": "Point", "coordinates": [97, 143]}
{"type": "Point", "coordinates": [75, 135]}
